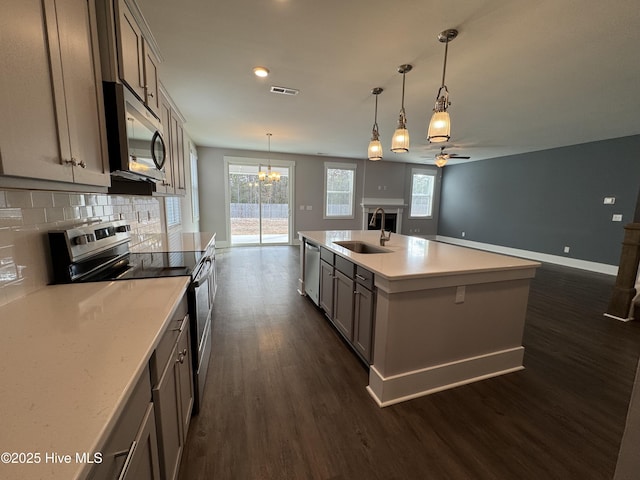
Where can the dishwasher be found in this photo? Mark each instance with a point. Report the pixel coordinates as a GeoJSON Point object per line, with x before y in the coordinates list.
{"type": "Point", "coordinates": [312, 271]}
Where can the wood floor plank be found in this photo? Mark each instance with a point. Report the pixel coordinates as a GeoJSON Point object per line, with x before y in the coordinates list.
{"type": "Point", "coordinates": [286, 398]}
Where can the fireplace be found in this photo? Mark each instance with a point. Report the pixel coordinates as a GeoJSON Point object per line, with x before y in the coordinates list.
{"type": "Point", "coordinates": [393, 208]}
{"type": "Point", "coordinates": [390, 221]}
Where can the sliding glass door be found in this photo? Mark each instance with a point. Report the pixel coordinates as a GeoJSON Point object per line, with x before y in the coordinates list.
{"type": "Point", "coordinates": [259, 210]}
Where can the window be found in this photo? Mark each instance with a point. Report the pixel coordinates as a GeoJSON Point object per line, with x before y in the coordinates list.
{"type": "Point", "coordinates": [339, 190]}
{"type": "Point", "coordinates": [172, 211]}
{"type": "Point", "coordinates": [422, 183]}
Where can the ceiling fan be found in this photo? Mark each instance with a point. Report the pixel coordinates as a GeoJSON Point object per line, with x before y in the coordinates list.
{"type": "Point", "coordinates": [442, 158]}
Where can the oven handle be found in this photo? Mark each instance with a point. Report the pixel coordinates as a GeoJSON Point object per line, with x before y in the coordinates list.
{"type": "Point", "coordinates": [203, 274]}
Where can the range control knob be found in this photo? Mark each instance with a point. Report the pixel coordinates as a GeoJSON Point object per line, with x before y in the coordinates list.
{"type": "Point", "coordinates": [82, 239]}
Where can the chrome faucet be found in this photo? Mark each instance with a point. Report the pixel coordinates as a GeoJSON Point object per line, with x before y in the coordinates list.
{"type": "Point", "coordinates": [372, 223]}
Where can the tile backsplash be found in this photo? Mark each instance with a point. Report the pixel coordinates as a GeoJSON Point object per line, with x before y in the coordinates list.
{"type": "Point", "coordinates": [27, 215]}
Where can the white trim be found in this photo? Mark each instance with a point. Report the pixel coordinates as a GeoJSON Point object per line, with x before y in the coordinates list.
{"type": "Point", "coordinates": [418, 383]}
{"type": "Point", "coordinates": [339, 166]}
{"type": "Point", "coordinates": [433, 175]}
{"type": "Point", "coordinates": [291, 165]}
{"type": "Point", "coordinates": [540, 257]}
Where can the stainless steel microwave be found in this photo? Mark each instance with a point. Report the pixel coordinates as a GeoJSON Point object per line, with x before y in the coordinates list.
{"type": "Point", "coordinates": [137, 149]}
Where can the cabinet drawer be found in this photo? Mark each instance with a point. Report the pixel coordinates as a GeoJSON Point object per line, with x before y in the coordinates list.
{"type": "Point", "coordinates": [327, 255]}
{"type": "Point", "coordinates": [125, 431]}
{"type": "Point", "coordinates": [161, 355]}
{"type": "Point", "coordinates": [345, 266]}
{"type": "Point", "coordinates": [364, 277]}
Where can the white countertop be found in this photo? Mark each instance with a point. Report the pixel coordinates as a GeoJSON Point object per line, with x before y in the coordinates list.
{"type": "Point", "coordinates": [174, 242]}
{"type": "Point", "coordinates": [414, 257]}
{"type": "Point", "coordinates": [71, 356]}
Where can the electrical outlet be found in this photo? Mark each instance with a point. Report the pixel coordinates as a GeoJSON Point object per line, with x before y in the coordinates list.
{"type": "Point", "coordinates": [301, 207]}
{"type": "Point", "coordinates": [609, 200]}
{"type": "Point", "coordinates": [617, 217]}
{"type": "Point", "coordinates": [309, 207]}
{"type": "Point", "coordinates": [460, 294]}
{"type": "Point", "coordinates": [463, 234]}
{"type": "Point", "coordinates": [566, 249]}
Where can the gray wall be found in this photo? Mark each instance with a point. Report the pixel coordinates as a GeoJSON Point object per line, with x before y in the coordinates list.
{"type": "Point", "coordinates": [373, 180]}
{"type": "Point", "coordinates": [543, 201]}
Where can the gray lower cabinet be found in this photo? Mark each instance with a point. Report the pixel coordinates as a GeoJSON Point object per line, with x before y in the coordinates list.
{"type": "Point", "coordinates": [343, 304]}
{"type": "Point", "coordinates": [326, 288]}
{"type": "Point", "coordinates": [172, 392]}
{"type": "Point", "coordinates": [131, 451]}
{"type": "Point", "coordinates": [347, 295]}
{"type": "Point", "coordinates": [363, 321]}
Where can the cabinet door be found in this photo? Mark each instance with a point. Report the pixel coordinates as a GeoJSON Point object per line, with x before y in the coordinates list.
{"type": "Point", "coordinates": [326, 288]}
{"type": "Point", "coordinates": [177, 154]}
{"type": "Point", "coordinates": [82, 93]}
{"type": "Point", "coordinates": [343, 304]}
{"type": "Point", "coordinates": [363, 322]}
{"type": "Point", "coordinates": [130, 51]}
{"type": "Point", "coordinates": [143, 464]}
{"type": "Point", "coordinates": [151, 83]}
{"type": "Point", "coordinates": [53, 93]}
{"type": "Point", "coordinates": [26, 94]}
{"type": "Point", "coordinates": [185, 377]}
{"type": "Point", "coordinates": [166, 398]}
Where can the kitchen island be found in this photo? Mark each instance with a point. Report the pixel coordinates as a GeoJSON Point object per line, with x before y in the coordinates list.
{"type": "Point", "coordinates": [444, 315]}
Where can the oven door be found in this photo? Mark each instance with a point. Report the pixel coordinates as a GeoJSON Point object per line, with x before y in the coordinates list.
{"type": "Point", "coordinates": [203, 297]}
{"type": "Point", "coordinates": [202, 291]}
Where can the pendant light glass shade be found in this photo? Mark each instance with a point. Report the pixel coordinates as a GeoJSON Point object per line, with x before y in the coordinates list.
{"type": "Point", "coordinates": [374, 152]}
{"type": "Point", "coordinates": [440, 125]}
{"type": "Point", "coordinates": [400, 140]}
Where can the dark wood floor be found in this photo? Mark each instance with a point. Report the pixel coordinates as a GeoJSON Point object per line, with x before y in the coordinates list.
{"type": "Point", "coordinates": [286, 398]}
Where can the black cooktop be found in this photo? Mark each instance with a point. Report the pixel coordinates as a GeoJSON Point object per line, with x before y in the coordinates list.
{"type": "Point", "coordinates": [148, 265]}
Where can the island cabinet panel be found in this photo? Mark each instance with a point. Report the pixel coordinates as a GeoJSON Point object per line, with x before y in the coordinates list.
{"type": "Point", "coordinates": [326, 288]}
{"type": "Point", "coordinates": [343, 304]}
{"type": "Point", "coordinates": [363, 319]}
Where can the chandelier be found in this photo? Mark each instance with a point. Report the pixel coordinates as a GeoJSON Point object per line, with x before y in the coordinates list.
{"type": "Point", "coordinates": [269, 176]}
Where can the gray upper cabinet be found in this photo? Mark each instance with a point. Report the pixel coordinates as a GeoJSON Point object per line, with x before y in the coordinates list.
{"type": "Point", "coordinates": [52, 127]}
{"type": "Point", "coordinates": [128, 50]}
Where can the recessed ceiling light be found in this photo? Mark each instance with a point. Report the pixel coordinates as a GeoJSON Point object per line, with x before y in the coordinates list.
{"type": "Point", "coordinates": [261, 71]}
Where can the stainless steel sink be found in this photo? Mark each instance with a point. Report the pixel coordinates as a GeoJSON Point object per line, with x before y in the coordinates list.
{"type": "Point", "coordinates": [361, 247]}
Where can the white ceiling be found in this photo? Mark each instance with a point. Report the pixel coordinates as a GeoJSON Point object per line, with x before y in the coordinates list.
{"type": "Point", "coordinates": [522, 75]}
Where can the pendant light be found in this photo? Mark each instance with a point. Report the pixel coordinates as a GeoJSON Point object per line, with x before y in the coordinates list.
{"type": "Point", "coordinates": [400, 140]}
{"type": "Point", "coordinates": [375, 147]}
{"type": "Point", "coordinates": [440, 124]}
{"type": "Point", "coordinates": [269, 175]}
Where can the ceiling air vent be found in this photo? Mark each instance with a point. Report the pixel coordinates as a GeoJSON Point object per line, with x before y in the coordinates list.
{"type": "Point", "coordinates": [284, 90]}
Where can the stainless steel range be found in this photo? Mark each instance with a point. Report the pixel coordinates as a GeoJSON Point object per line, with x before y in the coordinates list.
{"type": "Point", "coordinates": [100, 251]}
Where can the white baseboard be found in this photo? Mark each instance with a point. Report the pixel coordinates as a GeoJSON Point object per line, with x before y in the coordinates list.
{"type": "Point", "coordinates": [418, 383]}
{"type": "Point", "coordinates": [540, 257]}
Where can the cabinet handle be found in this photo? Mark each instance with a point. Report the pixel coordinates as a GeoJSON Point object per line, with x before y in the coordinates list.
{"type": "Point", "coordinates": [82, 164]}
{"type": "Point", "coordinates": [127, 462]}
{"type": "Point", "coordinates": [184, 352]}
{"type": "Point", "coordinates": [69, 162]}
{"type": "Point", "coordinates": [360, 277]}
{"type": "Point", "coordinates": [180, 358]}
{"type": "Point", "coordinates": [355, 292]}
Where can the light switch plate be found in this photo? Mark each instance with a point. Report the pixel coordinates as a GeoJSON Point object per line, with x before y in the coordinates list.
{"type": "Point", "coordinates": [609, 200]}
{"type": "Point", "coordinates": [617, 217]}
